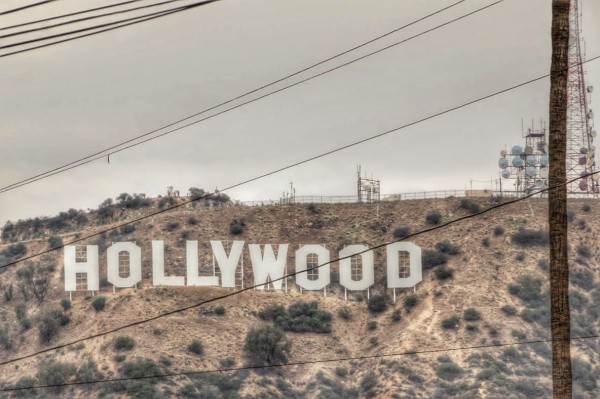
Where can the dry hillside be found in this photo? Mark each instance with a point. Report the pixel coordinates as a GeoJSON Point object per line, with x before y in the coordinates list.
{"type": "Point", "coordinates": [485, 284]}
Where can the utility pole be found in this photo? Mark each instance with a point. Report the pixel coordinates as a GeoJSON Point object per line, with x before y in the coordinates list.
{"type": "Point", "coordinates": [560, 317]}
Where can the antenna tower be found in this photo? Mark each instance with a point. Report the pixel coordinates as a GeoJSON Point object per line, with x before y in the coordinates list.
{"type": "Point", "coordinates": [580, 123]}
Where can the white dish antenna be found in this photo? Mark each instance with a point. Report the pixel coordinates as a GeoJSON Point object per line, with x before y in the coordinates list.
{"type": "Point", "coordinates": [517, 162]}
{"type": "Point", "coordinates": [544, 173]}
{"type": "Point", "coordinates": [544, 160]}
{"type": "Point", "coordinates": [506, 173]}
{"type": "Point", "coordinates": [530, 171]}
{"type": "Point", "coordinates": [503, 163]}
{"type": "Point", "coordinates": [531, 160]}
{"type": "Point", "coordinates": [516, 150]}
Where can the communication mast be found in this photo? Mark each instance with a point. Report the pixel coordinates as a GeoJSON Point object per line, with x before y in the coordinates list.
{"type": "Point", "coordinates": [369, 190]}
{"type": "Point", "coordinates": [580, 118]}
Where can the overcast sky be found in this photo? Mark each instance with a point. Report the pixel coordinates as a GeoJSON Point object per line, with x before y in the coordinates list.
{"type": "Point", "coordinates": [67, 101]}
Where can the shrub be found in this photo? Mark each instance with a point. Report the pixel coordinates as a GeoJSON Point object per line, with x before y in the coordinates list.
{"type": "Point", "coordinates": [447, 248]}
{"type": "Point", "coordinates": [49, 324]}
{"type": "Point", "coordinates": [236, 227]}
{"type": "Point", "coordinates": [124, 343]}
{"type": "Point", "coordinates": [498, 231]}
{"type": "Point", "coordinates": [485, 241]}
{"type": "Point", "coordinates": [470, 206]}
{"type": "Point", "coordinates": [55, 373]}
{"type": "Point", "coordinates": [5, 337]}
{"type": "Point", "coordinates": [377, 303]}
{"type": "Point", "coordinates": [581, 224]}
{"type": "Point", "coordinates": [584, 251]}
{"type": "Point", "coordinates": [544, 264]}
{"type": "Point", "coordinates": [55, 242]}
{"type": "Point", "coordinates": [471, 314]}
{"type": "Point", "coordinates": [509, 310]}
{"type": "Point", "coordinates": [444, 273]}
{"type": "Point", "coordinates": [312, 208]}
{"type": "Point", "coordinates": [192, 221]}
{"type": "Point", "coordinates": [519, 335]}
{"type": "Point", "coordinates": [372, 325]}
{"type": "Point", "coordinates": [25, 382]}
{"type": "Point", "coordinates": [220, 310]}
{"type": "Point", "coordinates": [401, 232]}
{"type": "Point", "coordinates": [410, 301]}
{"type": "Point", "coordinates": [9, 292]}
{"type": "Point", "coordinates": [127, 229]}
{"type": "Point", "coordinates": [266, 345]}
{"type": "Point", "coordinates": [528, 289]}
{"type": "Point", "coordinates": [299, 317]}
{"type": "Point", "coordinates": [341, 372]}
{"type": "Point", "coordinates": [196, 347]}
{"type": "Point", "coordinates": [449, 371]}
{"type": "Point", "coordinates": [171, 225]}
{"type": "Point", "coordinates": [65, 303]}
{"type": "Point", "coordinates": [368, 383]}
{"type": "Point", "coordinates": [571, 216]}
{"type": "Point", "coordinates": [586, 208]}
{"type": "Point", "coordinates": [433, 217]}
{"type": "Point", "coordinates": [99, 303]}
{"type": "Point", "coordinates": [520, 257]}
{"type": "Point", "coordinates": [345, 313]}
{"type": "Point", "coordinates": [396, 315]}
{"type": "Point", "coordinates": [433, 258]}
{"type": "Point", "coordinates": [450, 323]}
{"type": "Point", "coordinates": [583, 278]}
{"type": "Point", "coordinates": [529, 238]}
{"type": "Point", "coordinates": [88, 371]}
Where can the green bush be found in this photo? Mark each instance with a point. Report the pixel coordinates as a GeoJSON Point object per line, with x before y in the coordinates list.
{"type": "Point", "coordinates": [410, 301]}
{"type": "Point", "coordinates": [396, 315]}
{"type": "Point", "coordinates": [443, 273]}
{"type": "Point", "coordinates": [192, 221]}
{"type": "Point", "coordinates": [219, 310]}
{"type": "Point", "coordinates": [529, 238]}
{"type": "Point", "coordinates": [99, 303]}
{"type": "Point", "coordinates": [341, 372]}
{"type": "Point", "coordinates": [345, 313]}
{"type": "Point", "coordinates": [529, 290]}
{"type": "Point", "coordinates": [266, 345]}
{"type": "Point", "coordinates": [509, 310]}
{"type": "Point", "coordinates": [372, 325]}
{"type": "Point", "coordinates": [55, 242]}
{"type": "Point", "coordinates": [49, 324]}
{"type": "Point", "coordinates": [127, 229]}
{"type": "Point", "coordinates": [55, 373]}
{"type": "Point", "coordinates": [498, 231]}
{"type": "Point", "coordinates": [470, 206]}
{"type": "Point", "coordinates": [237, 227]}
{"type": "Point", "coordinates": [544, 264]}
{"type": "Point", "coordinates": [402, 232]}
{"type": "Point", "coordinates": [471, 314]}
{"type": "Point", "coordinates": [431, 259]}
{"type": "Point", "coordinates": [299, 317]}
{"type": "Point", "coordinates": [586, 208]}
{"type": "Point", "coordinates": [485, 241]}
{"type": "Point", "coordinates": [377, 303]}
{"type": "Point", "coordinates": [65, 303]}
{"type": "Point", "coordinates": [196, 347]}
{"type": "Point", "coordinates": [450, 323]}
{"type": "Point", "coordinates": [449, 371]}
{"type": "Point", "coordinates": [519, 335]}
{"type": "Point", "coordinates": [25, 382]}
{"type": "Point", "coordinates": [447, 248]}
{"type": "Point", "coordinates": [584, 251]}
{"type": "Point", "coordinates": [171, 226]}
{"type": "Point", "coordinates": [433, 217]}
{"type": "Point", "coordinates": [124, 343]}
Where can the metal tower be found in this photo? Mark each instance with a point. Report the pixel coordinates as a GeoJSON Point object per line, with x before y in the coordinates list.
{"type": "Point", "coordinates": [580, 132]}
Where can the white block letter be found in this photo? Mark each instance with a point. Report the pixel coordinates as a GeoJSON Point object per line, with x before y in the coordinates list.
{"type": "Point", "coordinates": [267, 266]}
{"type": "Point", "coordinates": [89, 268]}
{"type": "Point", "coordinates": [227, 264]}
{"type": "Point", "coordinates": [413, 252]}
{"type": "Point", "coordinates": [322, 257]}
{"type": "Point", "coordinates": [368, 268]}
{"type": "Point", "coordinates": [158, 266]}
{"type": "Point", "coordinates": [135, 264]}
{"type": "Point", "coordinates": [192, 267]}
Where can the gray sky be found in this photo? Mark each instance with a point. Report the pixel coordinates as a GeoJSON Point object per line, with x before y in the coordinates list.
{"type": "Point", "coordinates": [67, 101]}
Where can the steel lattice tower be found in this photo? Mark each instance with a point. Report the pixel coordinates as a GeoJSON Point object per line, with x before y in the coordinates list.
{"type": "Point", "coordinates": [580, 133]}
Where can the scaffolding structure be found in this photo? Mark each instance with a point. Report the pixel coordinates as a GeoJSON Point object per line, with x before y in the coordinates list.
{"type": "Point", "coordinates": [369, 190]}
{"type": "Point", "coordinates": [580, 124]}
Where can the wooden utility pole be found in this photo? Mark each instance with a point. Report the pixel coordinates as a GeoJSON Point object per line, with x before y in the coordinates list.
{"type": "Point", "coordinates": [560, 317]}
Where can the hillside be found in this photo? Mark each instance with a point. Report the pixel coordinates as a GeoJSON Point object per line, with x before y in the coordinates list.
{"type": "Point", "coordinates": [485, 283]}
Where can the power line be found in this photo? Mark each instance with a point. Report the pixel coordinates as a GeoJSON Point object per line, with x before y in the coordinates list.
{"type": "Point", "coordinates": [301, 363]}
{"type": "Point", "coordinates": [69, 15]}
{"type": "Point", "coordinates": [74, 21]}
{"type": "Point", "coordinates": [94, 27]}
{"type": "Point", "coordinates": [97, 155]}
{"type": "Point", "coordinates": [292, 274]}
{"type": "Point", "coordinates": [26, 7]}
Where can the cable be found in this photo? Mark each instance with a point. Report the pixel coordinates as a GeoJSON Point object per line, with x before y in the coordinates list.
{"type": "Point", "coordinates": [103, 151]}
{"type": "Point", "coordinates": [73, 21]}
{"type": "Point", "coordinates": [301, 363]}
{"type": "Point", "coordinates": [292, 274]}
{"type": "Point", "coordinates": [26, 7]}
{"type": "Point", "coordinates": [69, 15]}
{"type": "Point", "coordinates": [123, 21]}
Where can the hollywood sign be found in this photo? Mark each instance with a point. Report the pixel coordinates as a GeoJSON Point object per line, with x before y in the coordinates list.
{"type": "Point", "coordinates": [403, 261]}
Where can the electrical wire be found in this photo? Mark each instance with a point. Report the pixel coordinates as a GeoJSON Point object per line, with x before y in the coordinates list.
{"type": "Point", "coordinates": [26, 7]}
{"type": "Point", "coordinates": [97, 155]}
{"type": "Point", "coordinates": [302, 362]}
{"type": "Point", "coordinates": [99, 26]}
{"type": "Point", "coordinates": [74, 21]}
{"type": "Point", "coordinates": [72, 14]}
{"type": "Point", "coordinates": [292, 274]}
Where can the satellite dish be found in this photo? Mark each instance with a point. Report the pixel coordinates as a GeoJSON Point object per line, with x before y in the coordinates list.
{"type": "Point", "coordinates": [503, 153]}
{"type": "Point", "coordinates": [517, 162]}
{"type": "Point", "coordinates": [590, 89]}
{"type": "Point", "coordinates": [503, 163]}
{"type": "Point", "coordinates": [590, 114]}
{"type": "Point", "coordinates": [530, 171]}
{"type": "Point", "coordinates": [544, 173]}
{"type": "Point", "coordinates": [366, 186]}
{"type": "Point", "coordinates": [528, 150]}
{"type": "Point", "coordinates": [531, 160]}
{"type": "Point", "coordinates": [516, 150]}
{"type": "Point", "coordinates": [583, 150]}
{"type": "Point", "coordinates": [506, 173]}
{"type": "Point", "coordinates": [583, 173]}
{"type": "Point", "coordinates": [596, 177]}
{"type": "Point", "coordinates": [582, 160]}
{"type": "Point", "coordinates": [591, 162]}
{"type": "Point", "coordinates": [583, 185]}
{"type": "Point", "coordinates": [593, 133]}
{"type": "Point", "coordinates": [544, 160]}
